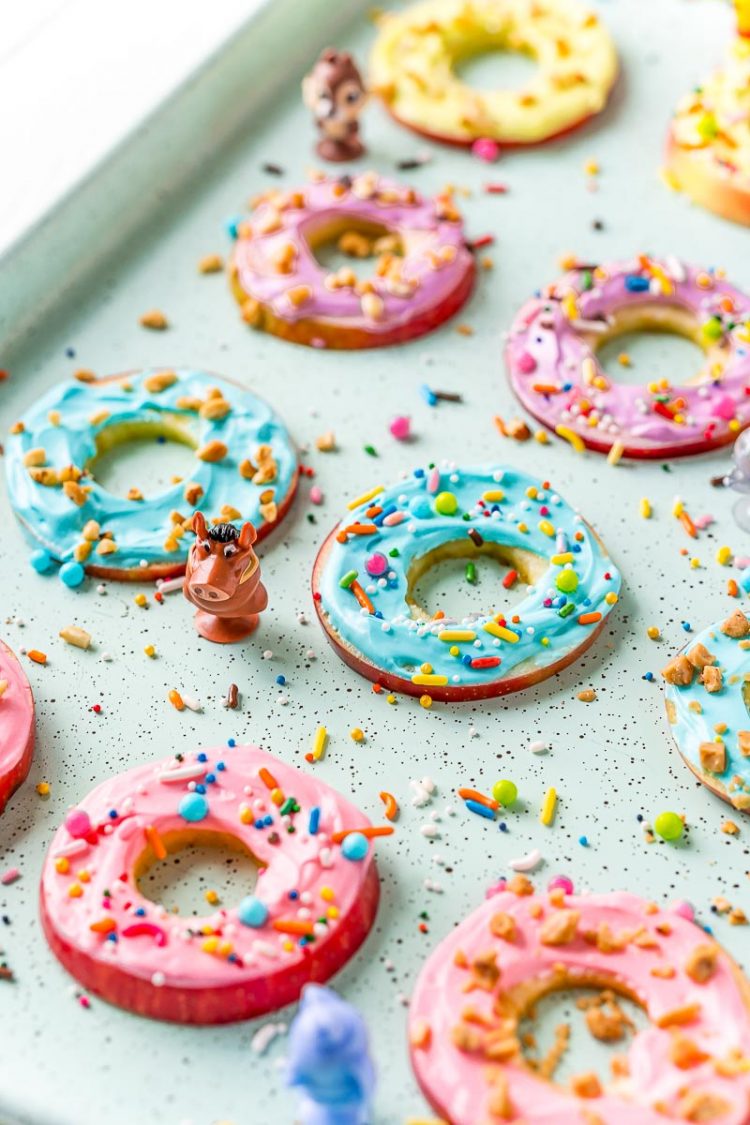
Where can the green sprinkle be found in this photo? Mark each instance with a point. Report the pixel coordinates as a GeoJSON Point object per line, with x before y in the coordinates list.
{"type": "Point", "coordinates": [394, 554]}
{"type": "Point", "coordinates": [471, 573]}
{"type": "Point", "coordinates": [567, 609]}
{"type": "Point", "coordinates": [587, 280]}
{"type": "Point", "coordinates": [346, 581]}
{"type": "Point", "coordinates": [290, 805]}
{"type": "Point", "coordinates": [371, 451]}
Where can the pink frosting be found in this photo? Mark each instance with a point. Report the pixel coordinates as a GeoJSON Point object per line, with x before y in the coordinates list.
{"type": "Point", "coordinates": [305, 877]}
{"type": "Point", "coordinates": [455, 1080]}
{"type": "Point", "coordinates": [546, 349]}
{"type": "Point", "coordinates": [16, 724]}
{"type": "Point", "coordinates": [428, 278]}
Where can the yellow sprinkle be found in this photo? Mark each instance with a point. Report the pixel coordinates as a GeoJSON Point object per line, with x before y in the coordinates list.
{"type": "Point", "coordinates": [493, 495]}
{"type": "Point", "coordinates": [357, 734]}
{"type": "Point", "coordinates": [364, 497]}
{"type": "Point", "coordinates": [541, 436]}
{"type": "Point", "coordinates": [653, 632]}
{"type": "Point", "coordinates": [426, 700]}
{"type": "Point", "coordinates": [84, 875]}
{"type": "Point", "coordinates": [549, 804]}
{"type": "Point", "coordinates": [43, 789]}
{"type": "Point", "coordinates": [724, 556]}
{"type": "Point", "coordinates": [678, 507]}
{"type": "Point", "coordinates": [532, 492]}
{"type": "Point", "coordinates": [545, 642]}
{"type": "Point", "coordinates": [75, 890]}
{"type": "Point", "coordinates": [277, 796]}
{"type": "Point", "coordinates": [615, 453]}
{"type": "Point", "coordinates": [425, 669]}
{"type": "Point", "coordinates": [62, 865]}
{"type": "Point", "coordinates": [454, 650]}
{"type": "Point", "coordinates": [319, 743]}
{"type": "Point", "coordinates": [611, 598]}
{"type": "Point", "coordinates": [448, 635]}
{"type": "Point", "coordinates": [569, 306]}
{"type": "Point", "coordinates": [390, 698]}
{"type": "Point", "coordinates": [734, 425]}
{"type": "Point", "coordinates": [591, 168]}
{"type": "Point", "coordinates": [562, 559]}
{"type": "Point", "coordinates": [332, 912]}
{"type": "Point", "coordinates": [212, 898]}
{"type": "Point", "coordinates": [570, 436]}
{"type": "Point", "coordinates": [523, 527]}
{"type": "Point", "coordinates": [288, 947]}
{"type": "Point", "coordinates": [210, 945]}
{"type": "Point", "coordinates": [429, 680]}
{"type": "Point", "coordinates": [150, 650]}
{"type": "Point", "coordinates": [246, 815]}
{"type": "Point", "coordinates": [500, 631]}
{"type": "Point", "coordinates": [54, 417]}
{"type": "Point", "coordinates": [327, 893]}
{"type": "Point", "coordinates": [695, 563]}
{"type": "Point", "coordinates": [645, 508]}
{"type": "Point", "coordinates": [546, 527]}
{"type": "Point", "coordinates": [624, 360]}
{"type": "Point", "coordinates": [140, 599]}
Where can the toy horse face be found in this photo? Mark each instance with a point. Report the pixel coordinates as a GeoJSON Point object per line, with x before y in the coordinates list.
{"type": "Point", "coordinates": [222, 575]}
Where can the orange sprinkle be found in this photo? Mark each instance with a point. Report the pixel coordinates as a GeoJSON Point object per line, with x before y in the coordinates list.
{"type": "Point", "coordinates": [267, 778]}
{"type": "Point", "coordinates": [156, 842]}
{"type": "Point", "coordinates": [103, 926]}
{"type": "Point", "coordinates": [475, 795]}
{"type": "Point", "coordinates": [341, 537]}
{"type": "Point", "coordinates": [688, 524]}
{"type": "Point", "coordinates": [438, 615]}
{"type": "Point", "coordinates": [37, 656]}
{"type": "Point", "coordinates": [369, 832]}
{"type": "Point", "coordinates": [545, 388]}
{"type": "Point", "coordinates": [375, 510]}
{"type": "Point", "coordinates": [589, 618]}
{"type": "Point", "coordinates": [361, 529]}
{"type": "Point", "coordinates": [391, 805]}
{"type": "Point", "coordinates": [377, 688]}
{"type": "Point", "coordinates": [292, 926]}
{"type": "Point", "coordinates": [176, 700]}
{"type": "Point", "coordinates": [362, 597]}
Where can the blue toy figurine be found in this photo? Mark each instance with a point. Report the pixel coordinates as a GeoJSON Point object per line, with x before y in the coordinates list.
{"type": "Point", "coordinates": [329, 1061]}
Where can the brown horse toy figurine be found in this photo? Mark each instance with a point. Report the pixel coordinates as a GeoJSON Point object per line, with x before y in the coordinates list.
{"type": "Point", "coordinates": [223, 580]}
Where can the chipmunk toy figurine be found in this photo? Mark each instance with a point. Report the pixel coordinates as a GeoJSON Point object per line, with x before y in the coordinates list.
{"type": "Point", "coordinates": [223, 580]}
{"type": "Point", "coordinates": [336, 94]}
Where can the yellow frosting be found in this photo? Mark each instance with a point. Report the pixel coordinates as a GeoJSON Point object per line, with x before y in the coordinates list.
{"type": "Point", "coordinates": [412, 67]}
{"type": "Point", "coordinates": [715, 119]}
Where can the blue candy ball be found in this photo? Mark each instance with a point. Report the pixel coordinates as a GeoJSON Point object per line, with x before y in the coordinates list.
{"type": "Point", "coordinates": [421, 507]}
{"type": "Point", "coordinates": [252, 912]}
{"type": "Point", "coordinates": [41, 561]}
{"type": "Point", "coordinates": [193, 807]}
{"type": "Point", "coordinates": [72, 574]}
{"type": "Point", "coordinates": [355, 846]}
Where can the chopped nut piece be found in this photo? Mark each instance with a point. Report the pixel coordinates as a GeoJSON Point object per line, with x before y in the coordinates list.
{"type": "Point", "coordinates": [559, 928]}
{"type": "Point", "coordinates": [713, 756]}
{"type": "Point", "coordinates": [503, 925]}
{"type": "Point", "coordinates": [211, 263]}
{"type": "Point", "coordinates": [586, 1085]}
{"type": "Point", "coordinates": [189, 402]}
{"type": "Point", "coordinates": [83, 375]}
{"type": "Point", "coordinates": [297, 295]}
{"type": "Point", "coordinates": [605, 940]}
{"type": "Point", "coordinates": [517, 429]}
{"type": "Point", "coordinates": [420, 1034]}
{"type": "Point", "coordinates": [70, 472]}
{"type": "Point", "coordinates": [699, 656]}
{"type": "Point", "coordinates": [74, 492]}
{"type": "Point", "coordinates": [712, 679]}
{"type": "Point", "coordinates": [588, 695]}
{"type": "Point", "coordinates": [81, 551]}
{"type": "Point", "coordinates": [679, 671]}
{"type": "Point", "coordinates": [485, 972]}
{"type": "Point", "coordinates": [214, 409]}
{"type": "Point", "coordinates": [499, 1103]}
{"type": "Point", "coordinates": [663, 972]}
{"type": "Point", "coordinates": [701, 964]}
{"type": "Point", "coordinates": [520, 885]}
{"type": "Point", "coordinates": [48, 477]}
{"type": "Point", "coordinates": [34, 457]}
{"type": "Point", "coordinates": [74, 635]}
{"type": "Point", "coordinates": [355, 244]}
{"type": "Point", "coordinates": [193, 492]}
{"type": "Point", "coordinates": [159, 381]}
{"type": "Point", "coordinates": [737, 625]}
{"type": "Point", "coordinates": [98, 417]}
{"type": "Point", "coordinates": [106, 547]}
{"type": "Point", "coordinates": [729, 828]}
{"type": "Point", "coordinates": [154, 319]}
{"type": "Point", "coordinates": [269, 511]}
{"type": "Point", "coordinates": [373, 306]}
{"type": "Point", "coordinates": [252, 312]}
{"type": "Point", "coordinates": [743, 741]}
{"type": "Point", "coordinates": [685, 1053]}
{"type": "Point", "coordinates": [134, 494]}
{"type": "Point", "coordinates": [247, 469]}
{"type": "Point", "coordinates": [737, 917]}
{"type": "Point", "coordinates": [326, 443]}
{"type": "Point", "coordinates": [701, 1106]}
{"type": "Point", "coordinates": [675, 1017]}
{"type": "Point", "coordinates": [212, 451]}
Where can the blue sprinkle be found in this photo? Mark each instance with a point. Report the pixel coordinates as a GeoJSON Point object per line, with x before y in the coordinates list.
{"type": "Point", "coordinates": [379, 614]}
{"type": "Point", "coordinates": [466, 660]}
{"type": "Point", "coordinates": [231, 742]}
{"type": "Point", "coordinates": [480, 810]}
{"type": "Point", "coordinates": [503, 826]}
{"type": "Point", "coordinates": [304, 940]}
{"type": "Point", "coordinates": [112, 937]}
{"type": "Point", "coordinates": [112, 814]}
{"type": "Point", "coordinates": [200, 789]}
{"type": "Point", "coordinates": [231, 225]}
{"type": "Point", "coordinates": [567, 386]}
{"type": "Point", "coordinates": [649, 677]}
{"type": "Point", "coordinates": [386, 512]}
{"type": "Point", "coordinates": [41, 561]}
{"type": "Point", "coordinates": [232, 957]}
{"type": "Point", "coordinates": [258, 824]}
{"type": "Point", "coordinates": [140, 912]}
{"type": "Point", "coordinates": [281, 680]}
{"type": "Point", "coordinates": [686, 626]}
{"type": "Point", "coordinates": [220, 766]}
{"type": "Point", "coordinates": [210, 778]}
{"type": "Point", "coordinates": [428, 395]}
{"type": "Point", "coordinates": [70, 353]}
{"type": "Point", "coordinates": [314, 821]}
{"type": "Point", "coordinates": [193, 807]}
{"type": "Point", "coordinates": [636, 284]}
{"type": "Point", "coordinates": [202, 757]}
{"type": "Point", "coordinates": [418, 473]}
{"type": "Point", "coordinates": [294, 895]}
{"type": "Point", "coordinates": [639, 818]}
{"type": "Point", "coordinates": [267, 820]}
{"type": "Point", "coordinates": [583, 841]}
{"type": "Point", "coordinates": [576, 548]}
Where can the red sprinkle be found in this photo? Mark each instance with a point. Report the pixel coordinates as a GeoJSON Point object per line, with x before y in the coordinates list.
{"type": "Point", "coordinates": [483, 240]}
{"type": "Point", "coordinates": [496, 189]}
{"type": "Point", "coordinates": [485, 662]}
{"type": "Point", "coordinates": [510, 578]}
{"type": "Point", "coordinates": [97, 708]}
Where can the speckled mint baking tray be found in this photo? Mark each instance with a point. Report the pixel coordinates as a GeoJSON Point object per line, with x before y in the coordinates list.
{"type": "Point", "coordinates": [611, 760]}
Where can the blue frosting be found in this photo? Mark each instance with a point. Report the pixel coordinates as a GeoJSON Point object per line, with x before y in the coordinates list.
{"type": "Point", "coordinates": [506, 508]}
{"type": "Point", "coordinates": [140, 528]}
{"type": "Point", "coordinates": [695, 713]}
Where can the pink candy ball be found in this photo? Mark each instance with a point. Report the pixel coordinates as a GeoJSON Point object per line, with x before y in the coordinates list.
{"type": "Point", "coordinates": [400, 427]}
{"type": "Point", "coordinates": [486, 149]}
{"type": "Point", "coordinates": [562, 882]}
{"type": "Point", "coordinates": [684, 909]}
{"type": "Point", "coordinates": [78, 823]}
{"type": "Point", "coordinates": [316, 495]}
{"type": "Point", "coordinates": [376, 565]}
{"type": "Point", "coordinates": [496, 888]}
{"type": "Point", "coordinates": [526, 363]}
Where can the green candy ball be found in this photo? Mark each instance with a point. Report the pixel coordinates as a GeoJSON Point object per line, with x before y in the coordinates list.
{"type": "Point", "coordinates": [446, 504]}
{"type": "Point", "coordinates": [505, 793]}
{"type": "Point", "coordinates": [669, 826]}
{"type": "Point", "coordinates": [567, 581]}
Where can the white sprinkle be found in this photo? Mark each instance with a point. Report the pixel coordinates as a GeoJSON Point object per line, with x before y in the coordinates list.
{"type": "Point", "coordinates": [106, 657]}
{"type": "Point", "coordinates": [310, 654]}
{"type": "Point", "coordinates": [158, 979]}
{"type": "Point", "coordinates": [526, 862]}
{"type": "Point", "coordinates": [265, 1036]}
{"type": "Point", "coordinates": [171, 585]}
{"type": "Point", "coordinates": [282, 700]}
{"type": "Point", "coordinates": [538, 747]}
{"type": "Point", "coordinates": [302, 618]}
{"type": "Point", "coordinates": [182, 773]}
{"type": "Point", "coordinates": [431, 831]}
{"type": "Point", "coordinates": [473, 732]}
{"type": "Point", "coordinates": [191, 702]}
{"type": "Point", "coordinates": [268, 655]}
